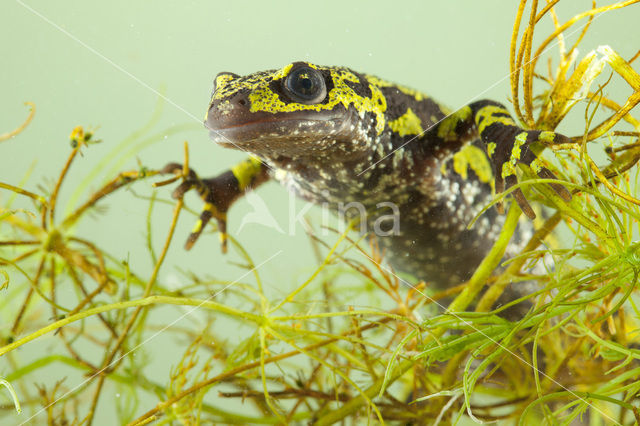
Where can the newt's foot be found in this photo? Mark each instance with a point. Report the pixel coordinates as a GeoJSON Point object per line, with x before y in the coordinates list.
{"type": "Point", "coordinates": [509, 146]}
{"type": "Point", "coordinates": [216, 203]}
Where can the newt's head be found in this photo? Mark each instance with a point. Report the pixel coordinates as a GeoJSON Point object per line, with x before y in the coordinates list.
{"type": "Point", "coordinates": [300, 110]}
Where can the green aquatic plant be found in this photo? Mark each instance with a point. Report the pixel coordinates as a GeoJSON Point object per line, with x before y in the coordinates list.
{"type": "Point", "coordinates": [314, 355]}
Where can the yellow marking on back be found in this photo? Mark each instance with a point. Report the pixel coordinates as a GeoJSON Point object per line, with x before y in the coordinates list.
{"type": "Point", "coordinates": [473, 157]}
{"type": "Point", "coordinates": [407, 124]}
{"type": "Point", "coordinates": [447, 128]}
{"type": "Point", "coordinates": [418, 96]}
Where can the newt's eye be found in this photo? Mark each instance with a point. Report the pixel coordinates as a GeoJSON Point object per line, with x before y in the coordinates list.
{"type": "Point", "coordinates": [305, 85]}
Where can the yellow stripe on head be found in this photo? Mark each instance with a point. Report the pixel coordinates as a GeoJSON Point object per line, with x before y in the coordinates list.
{"type": "Point", "coordinates": [263, 98]}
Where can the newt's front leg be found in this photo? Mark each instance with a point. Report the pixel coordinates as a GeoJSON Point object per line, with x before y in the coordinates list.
{"type": "Point", "coordinates": [507, 145]}
{"type": "Point", "coordinates": [219, 193]}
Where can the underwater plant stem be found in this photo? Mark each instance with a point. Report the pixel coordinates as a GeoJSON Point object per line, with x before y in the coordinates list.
{"type": "Point", "coordinates": [25, 123]}
{"type": "Point", "coordinates": [16, 401]}
{"type": "Point", "coordinates": [624, 69]}
{"type": "Point", "coordinates": [88, 298]}
{"type": "Point", "coordinates": [363, 394]}
{"type": "Point", "coordinates": [513, 64]}
{"type": "Point", "coordinates": [577, 18]}
{"type": "Point", "coordinates": [109, 359]}
{"type": "Point", "coordinates": [356, 403]}
{"type": "Point", "coordinates": [150, 300]}
{"type": "Point", "coordinates": [603, 179]}
{"type": "Point", "coordinates": [488, 264]}
{"type": "Point", "coordinates": [150, 415]}
{"type": "Point", "coordinates": [527, 75]}
{"type": "Point", "coordinates": [545, 9]}
{"type": "Point", "coordinates": [327, 259]}
{"type": "Point", "coordinates": [460, 303]}
{"type": "Point", "coordinates": [575, 213]}
{"type": "Point", "coordinates": [27, 299]}
{"type": "Point", "coordinates": [493, 293]}
{"type": "Point", "coordinates": [263, 376]}
{"type": "Point", "coordinates": [606, 125]}
{"type": "Point", "coordinates": [116, 183]}
{"type": "Point", "coordinates": [77, 259]}
{"type": "Point", "coordinates": [21, 191]}
{"type": "Point", "coordinates": [582, 395]}
{"type": "Point", "coordinates": [56, 189]}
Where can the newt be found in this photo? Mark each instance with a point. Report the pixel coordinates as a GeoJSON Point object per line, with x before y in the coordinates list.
{"type": "Point", "coordinates": [333, 135]}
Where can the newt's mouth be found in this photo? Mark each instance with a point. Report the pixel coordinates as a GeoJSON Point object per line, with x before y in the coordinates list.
{"type": "Point", "coordinates": [233, 124]}
{"type": "Point", "coordinates": [265, 131]}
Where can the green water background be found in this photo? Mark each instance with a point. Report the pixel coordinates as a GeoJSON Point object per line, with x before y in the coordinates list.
{"type": "Point", "coordinates": [102, 64]}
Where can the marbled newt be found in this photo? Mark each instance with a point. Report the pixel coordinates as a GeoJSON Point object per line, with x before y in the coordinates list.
{"type": "Point", "coordinates": [333, 135]}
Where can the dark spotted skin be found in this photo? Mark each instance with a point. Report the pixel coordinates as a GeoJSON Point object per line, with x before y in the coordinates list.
{"type": "Point", "coordinates": [337, 136]}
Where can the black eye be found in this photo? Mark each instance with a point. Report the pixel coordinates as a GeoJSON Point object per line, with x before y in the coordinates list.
{"type": "Point", "coordinates": [305, 85]}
